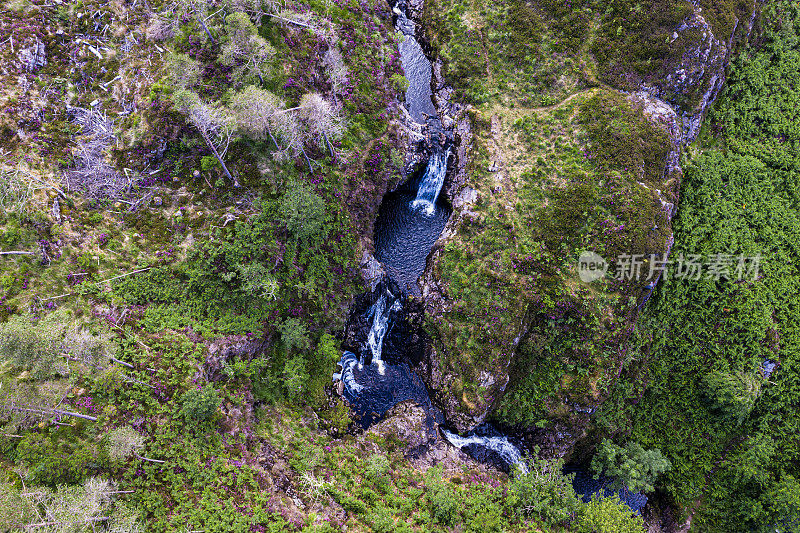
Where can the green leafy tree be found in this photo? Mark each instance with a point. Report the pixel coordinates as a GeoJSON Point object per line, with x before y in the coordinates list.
{"type": "Point", "coordinates": [632, 466]}
{"type": "Point", "coordinates": [733, 394]}
{"type": "Point", "coordinates": [543, 492]}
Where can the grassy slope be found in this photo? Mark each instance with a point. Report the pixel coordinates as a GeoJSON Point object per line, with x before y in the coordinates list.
{"type": "Point", "coordinates": [569, 183]}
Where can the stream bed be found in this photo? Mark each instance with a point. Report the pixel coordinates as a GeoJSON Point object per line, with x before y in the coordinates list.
{"type": "Point", "coordinates": [376, 365]}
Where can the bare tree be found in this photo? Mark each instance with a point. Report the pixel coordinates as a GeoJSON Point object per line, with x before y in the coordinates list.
{"type": "Point", "coordinates": [32, 411]}
{"type": "Point", "coordinates": [255, 8]}
{"type": "Point", "coordinates": [125, 442]}
{"type": "Point", "coordinates": [160, 28]}
{"type": "Point", "coordinates": [184, 71]}
{"type": "Point", "coordinates": [335, 70]}
{"type": "Point", "coordinates": [76, 508]}
{"type": "Point", "coordinates": [247, 50]}
{"type": "Point", "coordinates": [322, 120]}
{"type": "Point", "coordinates": [15, 192]}
{"type": "Point", "coordinates": [260, 115]}
{"type": "Point", "coordinates": [92, 175]}
{"type": "Point", "coordinates": [214, 124]}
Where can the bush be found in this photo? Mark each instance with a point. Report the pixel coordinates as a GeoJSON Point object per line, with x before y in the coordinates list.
{"type": "Point", "coordinates": [256, 281]}
{"type": "Point", "coordinates": [294, 334]}
{"type": "Point", "coordinates": [295, 378]}
{"type": "Point", "coordinates": [608, 515]}
{"type": "Point", "coordinates": [732, 395]}
{"type": "Point", "coordinates": [443, 501]}
{"type": "Point", "coordinates": [124, 442]}
{"type": "Point", "coordinates": [200, 404]}
{"type": "Point", "coordinates": [543, 492]}
{"type": "Point", "coordinates": [632, 466]}
{"type": "Point", "coordinates": [303, 212]}
{"type": "Point", "coordinates": [328, 351]}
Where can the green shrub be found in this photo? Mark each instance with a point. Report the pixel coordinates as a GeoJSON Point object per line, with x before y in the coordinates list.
{"type": "Point", "coordinates": [209, 162]}
{"type": "Point", "coordinates": [444, 503]}
{"type": "Point", "coordinates": [295, 378]}
{"type": "Point", "coordinates": [607, 515]}
{"type": "Point", "coordinates": [382, 520]}
{"type": "Point", "coordinates": [53, 461]}
{"type": "Point", "coordinates": [200, 405]}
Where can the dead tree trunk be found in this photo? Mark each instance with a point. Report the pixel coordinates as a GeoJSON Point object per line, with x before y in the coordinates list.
{"type": "Point", "coordinates": [210, 144]}
{"type": "Point", "coordinates": [330, 148]}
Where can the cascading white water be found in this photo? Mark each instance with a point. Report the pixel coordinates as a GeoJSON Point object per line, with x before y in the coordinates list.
{"type": "Point", "coordinates": [380, 325]}
{"type": "Point", "coordinates": [500, 445]}
{"type": "Point", "coordinates": [431, 184]}
{"type": "Point", "coordinates": [349, 362]}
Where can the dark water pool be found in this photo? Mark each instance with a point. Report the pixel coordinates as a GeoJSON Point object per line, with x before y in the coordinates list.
{"type": "Point", "coordinates": [404, 236]}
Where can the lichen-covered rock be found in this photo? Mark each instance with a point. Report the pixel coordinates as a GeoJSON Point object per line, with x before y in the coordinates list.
{"type": "Point", "coordinates": [33, 57]}
{"type": "Point", "coordinates": [406, 424]}
{"type": "Point", "coordinates": [694, 81]}
{"type": "Point", "coordinates": [223, 350]}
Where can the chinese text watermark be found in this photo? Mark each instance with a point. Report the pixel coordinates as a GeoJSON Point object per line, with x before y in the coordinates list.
{"type": "Point", "coordinates": [591, 267]}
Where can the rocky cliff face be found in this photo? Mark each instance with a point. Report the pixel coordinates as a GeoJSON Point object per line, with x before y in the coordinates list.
{"type": "Point", "coordinates": [518, 335]}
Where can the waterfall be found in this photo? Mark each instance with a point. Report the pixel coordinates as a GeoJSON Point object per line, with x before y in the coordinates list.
{"type": "Point", "coordinates": [380, 326]}
{"type": "Point", "coordinates": [431, 184]}
{"type": "Point", "coordinates": [348, 363]}
{"type": "Point", "coordinates": [500, 445]}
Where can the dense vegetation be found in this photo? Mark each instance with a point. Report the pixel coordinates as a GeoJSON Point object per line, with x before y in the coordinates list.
{"type": "Point", "coordinates": [729, 429]}
{"type": "Point", "coordinates": [186, 189]}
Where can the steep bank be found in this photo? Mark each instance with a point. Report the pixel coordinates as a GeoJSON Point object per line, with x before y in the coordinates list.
{"type": "Point", "coordinates": [561, 162]}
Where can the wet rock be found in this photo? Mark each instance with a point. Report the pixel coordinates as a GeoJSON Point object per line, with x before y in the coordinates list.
{"type": "Point", "coordinates": [371, 269]}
